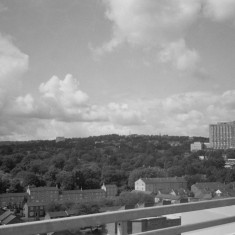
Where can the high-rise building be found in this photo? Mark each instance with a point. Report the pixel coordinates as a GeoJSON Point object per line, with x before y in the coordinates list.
{"type": "Point", "coordinates": [222, 135]}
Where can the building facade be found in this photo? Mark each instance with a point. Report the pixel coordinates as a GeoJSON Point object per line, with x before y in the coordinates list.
{"type": "Point", "coordinates": [196, 146]}
{"type": "Point", "coordinates": [222, 135]}
{"type": "Point", "coordinates": [160, 184]}
{"type": "Point", "coordinates": [12, 199]}
{"type": "Point", "coordinates": [111, 190]}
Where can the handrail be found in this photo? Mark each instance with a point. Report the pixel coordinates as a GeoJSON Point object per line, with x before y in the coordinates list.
{"type": "Point", "coordinates": [77, 222]}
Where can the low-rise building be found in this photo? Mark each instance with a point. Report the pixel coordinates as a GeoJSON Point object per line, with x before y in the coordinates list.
{"type": "Point", "coordinates": [43, 194]}
{"type": "Point", "coordinates": [11, 199]}
{"type": "Point", "coordinates": [196, 146]}
{"type": "Point", "coordinates": [34, 210]}
{"type": "Point", "coordinates": [110, 190]}
{"type": "Point", "coordinates": [229, 163]}
{"type": "Point", "coordinates": [59, 139]}
{"type": "Point", "coordinates": [208, 190]}
{"type": "Point", "coordinates": [160, 184]}
{"type": "Point", "coordinates": [8, 217]}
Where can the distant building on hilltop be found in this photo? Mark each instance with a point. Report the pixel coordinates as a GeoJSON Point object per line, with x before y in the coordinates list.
{"type": "Point", "coordinates": [59, 139]}
{"type": "Point", "coordinates": [222, 135]}
{"type": "Point", "coordinates": [160, 184]}
{"type": "Point", "coordinates": [196, 146]}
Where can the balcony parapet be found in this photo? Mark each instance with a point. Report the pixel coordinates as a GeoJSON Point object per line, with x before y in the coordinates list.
{"type": "Point", "coordinates": [122, 217]}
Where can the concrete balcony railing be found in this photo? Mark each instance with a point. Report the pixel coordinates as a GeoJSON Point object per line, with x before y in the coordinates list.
{"type": "Point", "coordinates": [121, 217]}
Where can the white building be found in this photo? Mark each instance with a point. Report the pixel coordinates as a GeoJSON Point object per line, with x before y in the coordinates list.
{"type": "Point", "coordinates": [196, 146]}
{"type": "Point", "coordinates": [222, 135]}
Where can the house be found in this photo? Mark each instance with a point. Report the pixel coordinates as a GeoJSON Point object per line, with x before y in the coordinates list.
{"type": "Point", "coordinates": [8, 217]}
{"type": "Point", "coordinates": [156, 184]}
{"type": "Point", "coordinates": [34, 209]}
{"type": "Point", "coordinates": [72, 212]}
{"type": "Point", "coordinates": [167, 197]}
{"type": "Point", "coordinates": [71, 196]}
{"type": "Point", "coordinates": [110, 190]}
{"type": "Point", "coordinates": [93, 194]}
{"type": "Point", "coordinates": [12, 199]}
{"type": "Point", "coordinates": [42, 194]}
{"type": "Point", "coordinates": [207, 190]}
{"type": "Point", "coordinates": [229, 163]}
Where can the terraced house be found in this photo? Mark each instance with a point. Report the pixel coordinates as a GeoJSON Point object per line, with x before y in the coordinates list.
{"type": "Point", "coordinates": [160, 184]}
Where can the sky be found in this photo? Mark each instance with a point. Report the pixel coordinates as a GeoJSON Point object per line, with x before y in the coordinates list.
{"type": "Point", "coordinates": [80, 68]}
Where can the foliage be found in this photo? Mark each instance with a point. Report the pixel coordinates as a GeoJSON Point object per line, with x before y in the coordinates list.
{"type": "Point", "coordinates": [113, 159]}
{"type": "Point", "coordinates": [145, 173]}
{"type": "Point", "coordinates": [132, 198]}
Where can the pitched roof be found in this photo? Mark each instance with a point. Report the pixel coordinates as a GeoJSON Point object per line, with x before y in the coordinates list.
{"type": "Point", "coordinates": [72, 212]}
{"type": "Point", "coordinates": [144, 192]}
{"type": "Point", "coordinates": [43, 189]}
{"type": "Point", "coordinates": [168, 196]}
{"type": "Point", "coordinates": [210, 185]}
{"type": "Point", "coordinates": [57, 214]}
{"type": "Point", "coordinates": [164, 180]}
{"type": "Point", "coordinates": [110, 208]}
{"type": "Point", "coordinates": [33, 203]}
{"type": "Point", "coordinates": [12, 195]}
{"type": "Point", "coordinates": [93, 191]}
{"type": "Point", "coordinates": [72, 192]}
{"type": "Point", "coordinates": [111, 186]}
{"type": "Point", "coordinates": [8, 219]}
{"type": "Point", "coordinates": [5, 215]}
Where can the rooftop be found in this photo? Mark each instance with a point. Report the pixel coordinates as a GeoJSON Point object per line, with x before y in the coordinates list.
{"type": "Point", "coordinates": [57, 214]}
{"type": "Point", "coordinates": [164, 180]}
{"type": "Point", "coordinates": [43, 189]}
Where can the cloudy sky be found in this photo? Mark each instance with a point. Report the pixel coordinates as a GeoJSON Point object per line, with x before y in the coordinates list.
{"type": "Point", "coordinates": [77, 68]}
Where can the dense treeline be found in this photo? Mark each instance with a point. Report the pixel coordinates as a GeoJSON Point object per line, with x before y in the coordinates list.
{"type": "Point", "coordinates": [88, 162]}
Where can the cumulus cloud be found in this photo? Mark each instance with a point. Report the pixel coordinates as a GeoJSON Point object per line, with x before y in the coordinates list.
{"type": "Point", "coordinates": [180, 56]}
{"type": "Point", "coordinates": [162, 26]}
{"type": "Point", "coordinates": [123, 115]}
{"type": "Point", "coordinates": [219, 10]}
{"type": "Point", "coordinates": [159, 25]}
{"type": "Point", "coordinates": [63, 100]}
{"type": "Point", "coordinates": [66, 92]}
{"type": "Point", "coordinates": [13, 63]}
{"type": "Point", "coordinates": [12, 60]}
{"type": "Point", "coordinates": [180, 114]}
{"type": "Point", "coordinates": [150, 22]}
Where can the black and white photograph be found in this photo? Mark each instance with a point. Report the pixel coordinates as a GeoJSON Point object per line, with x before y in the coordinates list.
{"type": "Point", "coordinates": [117, 117]}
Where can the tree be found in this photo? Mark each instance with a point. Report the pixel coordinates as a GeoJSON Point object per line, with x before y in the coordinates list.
{"type": "Point", "coordinates": [92, 176]}
{"type": "Point", "coordinates": [112, 175]}
{"type": "Point", "coordinates": [15, 186]}
{"type": "Point", "coordinates": [50, 176]}
{"type": "Point", "coordinates": [151, 172]}
{"type": "Point", "coordinates": [58, 161]}
{"type": "Point", "coordinates": [30, 178]}
{"type": "Point", "coordinates": [175, 171]}
{"type": "Point", "coordinates": [7, 164]}
{"type": "Point", "coordinates": [87, 208]}
{"type": "Point", "coordinates": [53, 206]}
{"type": "Point", "coordinates": [132, 198]}
{"type": "Point", "coordinates": [66, 180]}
